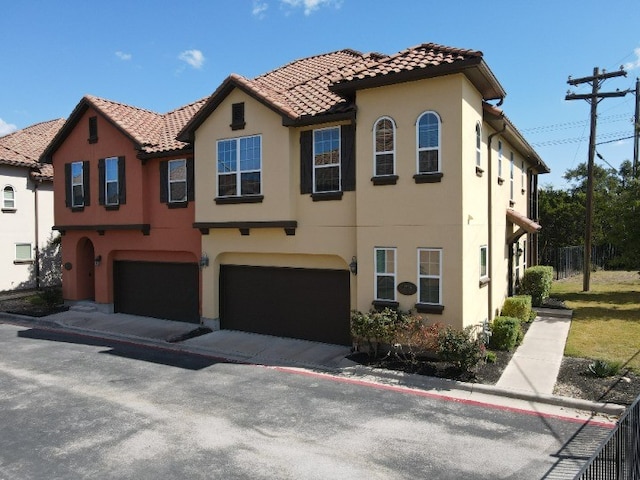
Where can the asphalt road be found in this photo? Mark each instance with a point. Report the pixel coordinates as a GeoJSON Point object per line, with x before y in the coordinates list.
{"type": "Point", "coordinates": [74, 407]}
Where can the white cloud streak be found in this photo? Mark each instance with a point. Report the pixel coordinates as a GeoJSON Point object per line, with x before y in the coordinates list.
{"type": "Point", "coordinates": [259, 9]}
{"type": "Point", "coordinates": [195, 58]}
{"type": "Point", "coordinates": [123, 56]}
{"type": "Point", "coordinates": [6, 128]}
{"type": "Point", "coordinates": [311, 6]}
{"type": "Point", "coordinates": [636, 63]}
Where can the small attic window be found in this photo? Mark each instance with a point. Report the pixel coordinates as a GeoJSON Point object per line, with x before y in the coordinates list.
{"type": "Point", "coordinates": [237, 116]}
{"type": "Point", "coordinates": [93, 129]}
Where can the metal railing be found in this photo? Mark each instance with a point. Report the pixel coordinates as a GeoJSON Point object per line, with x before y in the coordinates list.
{"type": "Point", "coordinates": [618, 456]}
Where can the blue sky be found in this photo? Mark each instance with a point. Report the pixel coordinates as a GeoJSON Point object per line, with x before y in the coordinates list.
{"type": "Point", "coordinates": [163, 54]}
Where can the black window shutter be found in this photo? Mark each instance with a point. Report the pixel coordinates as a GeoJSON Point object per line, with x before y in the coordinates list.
{"type": "Point", "coordinates": [348, 157]}
{"type": "Point", "coordinates": [85, 183]}
{"type": "Point", "coordinates": [190, 180]}
{"type": "Point", "coordinates": [122, 182]}
{"type": "Point", "coordinates": [164, 179]}
{"type": "Point", "coordinates": [67, 185]}
{"type": "Point", "coordinates": [101, 181]}
{"type": "Point", "coordinates": [306, 161]}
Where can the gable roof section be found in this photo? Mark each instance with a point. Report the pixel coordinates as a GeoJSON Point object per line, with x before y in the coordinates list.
{"type": "Point", "coordinates": [426, 60]}
{"type": "Point", "coordinates": [153, 134]}
{"type": "Point", "coordinates": [23, 148]}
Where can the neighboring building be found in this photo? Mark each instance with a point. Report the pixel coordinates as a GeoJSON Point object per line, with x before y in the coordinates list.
{"type": "Point", "coordinates": [124, 206]}
{"type": "Point", "coordinates": [26, 212]}
{"type": "Point", "coordinates": [350, 181]}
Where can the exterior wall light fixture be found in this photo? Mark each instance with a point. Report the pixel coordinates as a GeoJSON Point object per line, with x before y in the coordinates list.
{"type": "Point", "coordinates": [98, 260]}
{"type": "Point", "coordinates": [204, 260]}
{"type": "Point", "coordinates": [353, 266]}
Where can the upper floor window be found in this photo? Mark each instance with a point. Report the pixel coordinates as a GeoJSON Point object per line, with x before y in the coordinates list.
{"type": "Point", "coordinates": [430, 276]}
{"type": "Point", "coordinates": [428, 133]}
{"type": "Point", "coordinates": [478, 145]}
{"type": "Point", "coordinates": [77, 184]}
{"type": "Point", "coordinates": [511, 168]}
{"type": "Point", "coordinates": [93, 129]}
{"type": "Point", "coordinates": [112, 190]}
{"type": "Point", "coordinates": [384, 147]}
{"type": "Point", "coordinates": [240, 166]}
{"type": "Point", "coordinates": [522, 176]}
{"type": "Point", "coordinates": [385, 273]}
{"type": "Point", "coordinates": [484, 273]}
{"type": "Point", "coordinates": [499, 160]}
{"type": "Point", "coordinates": [8, 198]}
{"type": "Point", "coordinates": [326, 160]}
{"type": "Point", "coordinates": [176, 182]}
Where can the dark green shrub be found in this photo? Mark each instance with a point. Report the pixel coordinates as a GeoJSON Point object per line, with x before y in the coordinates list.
{"type": "Point", "coordinates": [602, 369]}
{"type": "Point", "coordinates": [505, 333]}
{"type": "Point", "coordinates": [537, 283]}
{"type": "Point", "coordinates": [460, 347]}
{"type": "Point", "coordinates": [376, 328]}
{"type": "Point", "coordinates": [518, 306]}
{"type": "Point", "coordinates": [51, 296]}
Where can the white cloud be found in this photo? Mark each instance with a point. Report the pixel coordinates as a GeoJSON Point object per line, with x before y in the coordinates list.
{"type": "Point", "coordinates": [123, 56]}
{"type": "Point", "coordinates": [636, 63]}
{"type": "Point", "coordinates": [259, 7]}
{"type": "Point", "coordinates": [311, 6]}
{"type": "Point", "coordinates": [195, 58]}
{"type": "Point", "coordinates": [6, 128]}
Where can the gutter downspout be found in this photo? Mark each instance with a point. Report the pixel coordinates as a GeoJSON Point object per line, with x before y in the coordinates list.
{"type": "Point", "coordinates": [490, 220]}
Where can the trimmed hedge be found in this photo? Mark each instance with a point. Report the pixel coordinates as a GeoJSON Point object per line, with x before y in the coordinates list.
{"type": "Point", "coordinates": [518, 306]}
{"type": "Point", "coordinates": [536, 282]}
{"type": "Point", "coordinates": [505, 333]}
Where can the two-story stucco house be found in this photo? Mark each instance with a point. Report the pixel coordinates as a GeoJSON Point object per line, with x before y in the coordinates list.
{"type": "Point", "coordinates": [26, 211]}
{"type": "Point", "coordinates": [350, 181]}
{"type": "Point", "coordinates": [124, 206]}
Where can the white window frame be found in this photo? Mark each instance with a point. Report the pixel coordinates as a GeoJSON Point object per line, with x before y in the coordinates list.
{"type": "Point", "coordinates": [376, 153]}
{"type": "Point", "coordinates": [511, 169]}
{"type": "Point", "coordinates": [238, 166]}
{"type": "Point", "coordinates": [8, 204]}
{"type": "Point", "coordinates": [328, 165]}
{"type": "Point", "coordinates": [478, 145]}
{"type": "Point", "coordinates": [484, 249]}
{"type": "Point", "coordinates": [385, 274]}
{"type": "Point", "coordinates": [23, 244]}
{"type": "Point", "coordinates": [439, 276]}
{"type": "Point", "coordinates": [78, 183]}
{"type": "Point", "coordinates": [522, 175]}
{"type": "Point", "coordinates": [170, 181]}
{"type": "Point", "coordinates": [499, 158]}
{"type": "Point", "coordinates": [107, 181]}
{"type": "Point", "coordinates": [437, 148]}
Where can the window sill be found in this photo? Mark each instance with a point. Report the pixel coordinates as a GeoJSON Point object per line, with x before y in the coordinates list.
{"type": "Point", "coordinates": [9, 210]}
{"type": "Point", "coordinates": [239, 199]}
{"type": "Point", "coordinates": [238, 126]}
{"type": "Point", "coordinates": [23, 262]}
{"type": "Point", "coordinates": [112, 207]}
{"type": "Point", "coordinates": [385, 179]}
{"type": "Point", "coordinates": [484, 282]}
{"type": "Point", "coordinates": [326, 196]}
{"type": "Point", "coordinates": [429, 308]}
{"type": "Point", "coordinates": [479, 171]}
{"type": "Point", "coordinates": [77, 209]}
{"type": "Point", "coordinates": [177, 204]}
{"type": "Point", "coordinates": [92, 140]}
{"type": "Point", "coordinates": [500, 180]}
{"type": "Point", "coordinates": [428, 177]}
{"type": "Point", "coordinates": [382, 304]}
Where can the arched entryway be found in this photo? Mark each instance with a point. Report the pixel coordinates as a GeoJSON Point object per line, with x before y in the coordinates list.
{"type": "Point", "coordinates": [85, 271]}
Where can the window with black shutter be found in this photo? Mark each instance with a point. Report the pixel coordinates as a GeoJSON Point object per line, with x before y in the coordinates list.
{"type": "Point", "coordinates": [177, 182]}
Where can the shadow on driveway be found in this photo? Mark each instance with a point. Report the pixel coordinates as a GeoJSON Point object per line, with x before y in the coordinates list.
{"type": "Point", "coordinates": [159, 355]}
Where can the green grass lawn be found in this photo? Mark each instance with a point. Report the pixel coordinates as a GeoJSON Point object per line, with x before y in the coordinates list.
{"type": "Point", "coordinates": [606, 320]}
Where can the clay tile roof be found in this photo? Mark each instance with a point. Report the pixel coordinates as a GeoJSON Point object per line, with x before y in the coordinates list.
{"type": "Point", "coordinates": [172, 123]}
{"type": "Point", "coordinates": [419, 57]}
{"type": "Point", "coordinates": [23, 148]}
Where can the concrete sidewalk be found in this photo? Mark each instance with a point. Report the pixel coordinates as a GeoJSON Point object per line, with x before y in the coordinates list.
{"type": "Point", "coordinates": [535, 364]}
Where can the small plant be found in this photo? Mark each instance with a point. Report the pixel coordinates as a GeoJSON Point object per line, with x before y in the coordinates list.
{"type": "Point", "coordinates": [536, 282]}
{"type": "Point", "coordinates": [602, 369]}
{"type": "Point", "coordinates": [460, 347]}
{"type": "Point", "coordinates": [518, 306]}
{"type": "Point", "coordinates": [506, 333]}
{"type": "Point", "coordinates": [490, 357]}
{"type": "Point", "coordinates": [51, 296]}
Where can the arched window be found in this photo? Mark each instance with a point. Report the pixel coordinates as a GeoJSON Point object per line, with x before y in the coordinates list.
{"type": "Point", "coordinates": [428, 139]}
{"type": "Point", "coordinates": [478, 145]}
{"type": "Point", "coordinates": [8, 198]}
{"type": "Point", "coordinates": [384, 147]}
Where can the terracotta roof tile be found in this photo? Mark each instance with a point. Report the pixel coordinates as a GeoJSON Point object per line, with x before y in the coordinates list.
{"type": "Point", "coordinates": [23, 148]}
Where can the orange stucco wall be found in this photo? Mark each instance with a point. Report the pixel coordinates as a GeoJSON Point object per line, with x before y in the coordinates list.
{"type": "Point", "coordinates": [171, 238]}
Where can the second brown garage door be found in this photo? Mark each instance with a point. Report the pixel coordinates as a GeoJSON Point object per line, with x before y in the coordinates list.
{"type": "Point", "coordinates": [310, 304]}
{"type": "Point", "coordinates": [157, 289]}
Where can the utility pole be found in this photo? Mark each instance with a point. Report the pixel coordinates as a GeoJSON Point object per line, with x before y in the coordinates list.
{"type": "Point", "coordinates": [593, 98]}
{"type": "Point", "coordinates": [636, 130]}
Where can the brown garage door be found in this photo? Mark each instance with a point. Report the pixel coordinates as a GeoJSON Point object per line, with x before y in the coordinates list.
{"type": "Point", "coordinates": [310, 304]}
{"type": "Point", "coordinates": [157, 289]}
